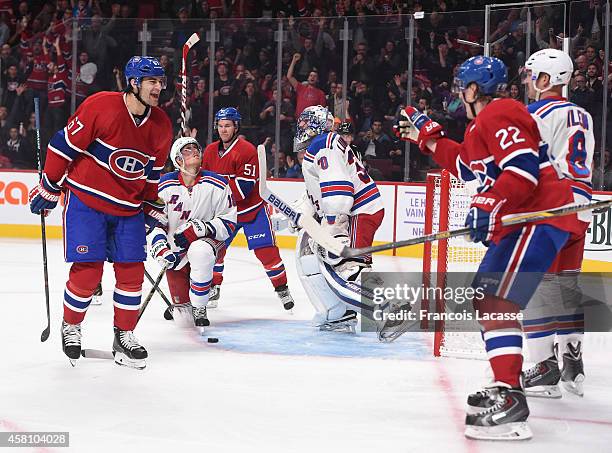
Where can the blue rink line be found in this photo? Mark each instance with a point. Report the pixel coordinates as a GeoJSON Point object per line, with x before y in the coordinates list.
{"type": "Point", "coordinates": [299, 338]}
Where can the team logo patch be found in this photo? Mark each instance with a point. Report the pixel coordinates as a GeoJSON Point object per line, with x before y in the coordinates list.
{"type": "Point", "coordinates": [82, 249]}
{"type": "Point", "coordinates": [128, 163]}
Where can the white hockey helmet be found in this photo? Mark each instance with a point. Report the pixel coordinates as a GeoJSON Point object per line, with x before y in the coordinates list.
{"type": "Point", "coordinates": [177, 147]}
{"type": "Point", "coordinates": [314, 120]}
{"type": "Point", "coordinates": [556, 63]}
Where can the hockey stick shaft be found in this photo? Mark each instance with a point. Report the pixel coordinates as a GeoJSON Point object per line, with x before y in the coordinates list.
{"type": "Point", "coordinates": [151, 292]}
{"type": "Point", "coordinates": [193, 39]}
{"type": "Point", "coordinates": [349, 252]}
{"type": "Point", "coordinates": [43, 230]}
{"type": "Point", "coordinates": [157, 288]}
{"type": "Point", "coordinates": [100, 354]}
{"type": "Point", "coordinates": [309, 224]}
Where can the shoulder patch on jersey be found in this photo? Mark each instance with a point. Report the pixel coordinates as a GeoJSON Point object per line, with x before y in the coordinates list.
{"type": "Point", "coordinates": [168, 176]}
{"type": "Point", "coordinates": [216, 176]}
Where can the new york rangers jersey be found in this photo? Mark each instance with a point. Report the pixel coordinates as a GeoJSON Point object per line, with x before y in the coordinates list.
{"type": "Point", "coordinates": [566, 130]}
{"type": "Point", "coordinates": [238, 164]}
{"type": "Point", "coordinates": [209, 199]}
{"type": "Point", "coordinates": [336, 181]}
{"type": "Point", "coordinates": [112, 163]}
{"type": "Point", "coordinates": [501, 152]}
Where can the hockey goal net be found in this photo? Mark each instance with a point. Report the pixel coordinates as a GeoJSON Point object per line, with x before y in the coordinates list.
{"type": "Point", "coordinates": [447, 204]}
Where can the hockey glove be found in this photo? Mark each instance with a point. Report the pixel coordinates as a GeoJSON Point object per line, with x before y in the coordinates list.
{"type": "Point", "coordinates": [160, 250]}
{"type": "Point", "coordinates": [191, 231]}
{"type": "Point", "coordinates": [337, 227]}
{"type": "Point", "coordinates": [44, 196]}
{"type": "Point", "coordinates": [416, 127]}
{"type": "Point", "coordinates": [483, 217]}
{"type": "Point", "coordinates": [154, 215]}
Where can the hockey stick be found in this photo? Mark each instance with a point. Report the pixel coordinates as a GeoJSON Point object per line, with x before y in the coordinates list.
{"type": "Point", "coordinates": [350, 252]}
{"type": "Point", "coordinates": [309, 224]}
{"type": "Point", "coordinates": [193, 39]}
{"type": "Point", "coordinates": [158, 289]}
{"type": "Point", "coordinates": [100, 354]}
{"type": "Point", "coordinates": [43, 230]}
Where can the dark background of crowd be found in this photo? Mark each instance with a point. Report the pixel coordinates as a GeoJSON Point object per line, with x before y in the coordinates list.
{"type": "Point", "coordinates": [37, 59]}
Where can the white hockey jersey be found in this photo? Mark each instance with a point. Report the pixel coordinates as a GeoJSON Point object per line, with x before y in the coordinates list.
{"type": "Point", "coordinates": [209, 199]}
{"type": "Point", "coordinates": [336, 181]}
{"type": "Point", "coordinates": [567, 136]}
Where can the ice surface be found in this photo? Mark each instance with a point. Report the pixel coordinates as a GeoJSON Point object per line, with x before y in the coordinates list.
{"type": "Point", "coordinates": [271, 384]}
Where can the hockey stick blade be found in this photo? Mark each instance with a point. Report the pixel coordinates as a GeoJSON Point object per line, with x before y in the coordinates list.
{"type": "Point", "coordinates": [350, 252]}
{"type": "Point", "coordinates": [309, 224]}
{"type": "Point", "coordinates": [97, 354]}
{"type": "Point", "coordinates": [193, 40]}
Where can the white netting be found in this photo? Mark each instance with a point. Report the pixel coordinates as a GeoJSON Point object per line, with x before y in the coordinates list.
{"type": "Point", "coordinates": [459, 338]}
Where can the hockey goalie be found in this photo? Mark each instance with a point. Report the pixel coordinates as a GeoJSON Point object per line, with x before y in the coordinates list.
{"type": "Point", "coordinates": [343, 197]}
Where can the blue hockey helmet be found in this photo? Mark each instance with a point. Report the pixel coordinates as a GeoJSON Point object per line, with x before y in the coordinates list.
{"type": "Point", "coordinates": [489, 73]}
{"type": "Point", "coordinates": [139, 67]}
{"type": "Point", "coordinates": [228, 113]}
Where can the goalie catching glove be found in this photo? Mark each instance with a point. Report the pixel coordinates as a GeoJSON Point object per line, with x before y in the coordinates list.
{"type": "Point", "coordinates": [483, 217]}
{"type": "Point", "coordinates": [416, 127]}
{"type": "Point", "coordinates": [191, 231]}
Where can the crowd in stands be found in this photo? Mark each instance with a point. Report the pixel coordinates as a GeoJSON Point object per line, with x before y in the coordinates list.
{"type": "Point", "coordinates": [38, 57]}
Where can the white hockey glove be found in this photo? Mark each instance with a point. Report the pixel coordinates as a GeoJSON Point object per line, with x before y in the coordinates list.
{"type": "Point", "coordinates": [279, 222]}
{"type": "Point", "coordinates": [304, 206]}
{"type": "Point", "coordinates": [191, 231]}
{"type": "Point", "coordinates": [160, 250]}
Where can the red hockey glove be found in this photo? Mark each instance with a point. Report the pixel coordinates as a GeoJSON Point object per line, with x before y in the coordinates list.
{"type": "Point", "coordinates": [191, 231]}
{"type": "Point", "coordinates": [483, 217]}
{"type": "Point", "coordinates": [44, 196]}
{"type": "Point", "coordinates": [416, 127]}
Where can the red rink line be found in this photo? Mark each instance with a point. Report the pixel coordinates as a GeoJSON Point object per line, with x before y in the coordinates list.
{"type": "Point", "coordinates": [13, 427]}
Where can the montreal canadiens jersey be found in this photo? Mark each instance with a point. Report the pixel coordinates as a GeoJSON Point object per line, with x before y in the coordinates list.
{"type": "Point", "coordinates": [567, 136]}
{"type": "Point", "coordinates": [501, 151]}
{"type": "Point", "coordinates": [209, 199]}
{"type": "Point", "coordinates": [336, 181]}
{"type": "Point", "coordinates": [239, 165]}
{"type": "Point", "coordinates": [109, 161]}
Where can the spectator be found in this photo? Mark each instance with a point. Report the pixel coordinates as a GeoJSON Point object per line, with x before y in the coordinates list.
{"type": "Point", "coordinates": [375, 143]}
{"type": "Point", "coordinates": [294, 169]}
{"type": "Point", "coordinates": [6, 57]}
{"type": "Point", "coordinates": [98, 43]}
{"type": "Point", "coordinates": [9, 84]}
{"type": "Point", "coordinates": [57, 113]}
{"type": "Point", "coordinates": [582, 64]}
{"type": "Point", "coordinates": [338, 106]}
{"type": "Point", "coordinates": [250, 106]}
{"type": "Point", "coordinates": [582, 95]}
{"type": "Point", "coordinates": [267, 119]}
{"type": "Point", "coordinates": [83, 11]}
{"type": "Point", "coordinates": [514, 92]}
{"type": "Point", "coordinates": [223, 87]}
{"type": "Point", "coordinates": [18, 150]}
{"type": "Point", "coordinates": [306, 95]}
{"type": "Point", "coordinates": [5, 31]}
{"type": "Point", "coordinates": [363, 67]}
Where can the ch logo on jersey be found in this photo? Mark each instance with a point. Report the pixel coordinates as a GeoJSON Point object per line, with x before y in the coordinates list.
{"type": "Point", "coordinates": [486, 172]}
{"type": "Point", "coordinates": [128, 163]}
{"type": "Point", "coordinates": [82, 249]}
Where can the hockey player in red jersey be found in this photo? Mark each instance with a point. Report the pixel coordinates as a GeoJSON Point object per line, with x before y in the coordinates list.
{"type": "Point", "coordinates": [107, 161]}
{"type": "Point", "coordinates": [236, 160]}
{"type": "Point", "coordinates": [501, 151]}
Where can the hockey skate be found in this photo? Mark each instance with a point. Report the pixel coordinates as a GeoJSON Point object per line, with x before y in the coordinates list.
{"type": "Point", "coordinates": [541, 380]}
{"type": "Point", "coordinates": [213, 296]}
{"type": "Point", "coordinates": [96, 298]}
{"type": "Point", "coordinates": [285, 297]}
{"type": "Point", "coordinates": [505, 419]}
{"type": "Point", "coordinates": [572, 375]}
{"type": "Point", "coordinates": [71, 341]}
{"type": "Point", "coordinates": [200, 319]}
{"type": "Point", "coordinates": [393, 327]}
{"type": "Point", "coordinates": [127, 351]}
{"type": "Point", "coordinates": [482, 399]}
{"type": "Point", "coordinates": [346, 323]}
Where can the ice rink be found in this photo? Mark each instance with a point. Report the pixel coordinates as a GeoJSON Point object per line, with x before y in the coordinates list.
{"type": "Point", "coordinates": [271, 384]}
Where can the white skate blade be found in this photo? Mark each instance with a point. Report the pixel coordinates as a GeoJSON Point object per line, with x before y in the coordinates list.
{"type": "Point", "coordinates": [96, 300]}
{"type": "Point", "coordinates": [183, 317]}
{"type": "Point", "coordinates": [201, 330]}
{"type": "Point", "coordinates": [544, 391]}
{"type": "Point", "coordinates": [123, 360]}
{"type": "Point", "coordinates": [576, 386]}
{"type": "Point", "coordinates": [212, 304]}
{"type": "Point", "coordinates": [507, 431]}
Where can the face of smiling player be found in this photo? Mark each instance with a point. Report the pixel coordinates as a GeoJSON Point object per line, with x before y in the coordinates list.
{"type": "Point", "coordinates": [226, 130]}
{"type": "Point", "coordinates": [150, 89]}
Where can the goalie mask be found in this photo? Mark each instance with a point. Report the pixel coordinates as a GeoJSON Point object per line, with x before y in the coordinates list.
{"type": "Point", "coordinates": [313, 121]}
